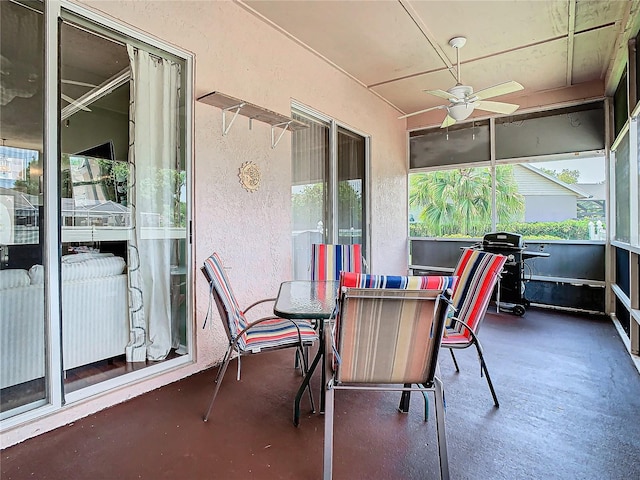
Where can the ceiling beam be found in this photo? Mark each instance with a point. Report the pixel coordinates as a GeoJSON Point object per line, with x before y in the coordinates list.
{"type": "Point", "coordinates": [628, 28]}
{"type": "Point", "coordinates": [431, 39]}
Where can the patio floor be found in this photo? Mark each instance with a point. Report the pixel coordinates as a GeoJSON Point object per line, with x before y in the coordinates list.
{"type": "Point", "coordinates": [569, 395]}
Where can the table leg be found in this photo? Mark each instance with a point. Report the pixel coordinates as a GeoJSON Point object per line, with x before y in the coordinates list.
{"type": "Point", "coordinates": [307, 378]}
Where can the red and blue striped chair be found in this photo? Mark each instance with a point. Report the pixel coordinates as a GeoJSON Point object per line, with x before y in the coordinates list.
{"type": "Point", "coordinates": [328, 260]}
{"type": "Point", "coordinates": [386, 336]}
{"type": "Point", "coordinates": [477, 273]}
{"type": "Point", "coordinates": [427, 282]}
{"type": "Point", "coordinates": [264, 334]}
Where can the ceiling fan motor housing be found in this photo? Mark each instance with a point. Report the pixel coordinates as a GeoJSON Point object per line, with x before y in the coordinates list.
{"type": "Point", "coordinates": [461, 93]}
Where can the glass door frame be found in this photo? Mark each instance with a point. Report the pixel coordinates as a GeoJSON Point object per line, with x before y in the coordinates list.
{"type": "Point", "coordinates": [332, 228]}
{"type": "Point", "coordinates": [54, 11]}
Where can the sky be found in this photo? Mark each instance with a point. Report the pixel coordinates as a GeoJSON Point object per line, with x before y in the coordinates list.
{"type": "Point", "coordinates": [592, 170]}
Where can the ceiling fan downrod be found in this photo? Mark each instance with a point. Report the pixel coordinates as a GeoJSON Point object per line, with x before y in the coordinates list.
{"type": "Point", "coordinates": [458, 43]}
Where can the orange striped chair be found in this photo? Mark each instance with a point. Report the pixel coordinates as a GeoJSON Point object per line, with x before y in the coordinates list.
{"type": "Point", "coordinates": [245, 337]}
{"type": "Point", "coordinates": [328, 260]}
{"type": "Point", "coordinates": [386, 336]}
{"type": "Point", "coordinates": [477, 274]}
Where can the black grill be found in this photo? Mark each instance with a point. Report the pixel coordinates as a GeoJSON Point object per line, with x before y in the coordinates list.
{"type": "Point", "coordinates": [512, 246]}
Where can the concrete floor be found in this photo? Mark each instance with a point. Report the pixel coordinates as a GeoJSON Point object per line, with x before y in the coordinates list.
{"type": "Point", "coordinates": [569, 395]}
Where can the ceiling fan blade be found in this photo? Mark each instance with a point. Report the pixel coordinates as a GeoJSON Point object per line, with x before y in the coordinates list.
{"type": "Point", "coordinates": [448, 121]}
{"type": "Point", "coordinates": [73, 102]}
{"type": "Point", "coordinates": [496, 107]}
{"type": "Point", "coordinates": [421, 111]}
{"type": "Point", "coordinates": [440, 93]}
{"type": "Point", "coordinates": [497, 90]}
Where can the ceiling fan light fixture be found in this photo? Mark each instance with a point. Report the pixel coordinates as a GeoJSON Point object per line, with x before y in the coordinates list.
{"type": "Point", "coordinates": [460, 112]}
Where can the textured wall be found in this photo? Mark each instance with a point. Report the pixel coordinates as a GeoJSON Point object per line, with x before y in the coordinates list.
{"type": "Point", "coordinates": [239, 55]}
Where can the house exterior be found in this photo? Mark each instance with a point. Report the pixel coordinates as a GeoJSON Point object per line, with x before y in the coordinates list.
{"type": "Point", "coordinates": [546, 198]}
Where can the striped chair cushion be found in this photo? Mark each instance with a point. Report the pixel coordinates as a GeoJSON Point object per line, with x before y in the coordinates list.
{"type": "Point", "coordinates": [219, 280]}
{"type": "Point", "coordinates": [427, 282]}
{"type": "Point", "coordinates": [270, 333]}
{"type": "Point", "coordinates": [386, 340]}
{"type": "Point", "coordinates": [477, 273]}
{"type": "Point", "coordinates": [277, 332]}
{"type": "Point", "coordinates": [327, 261]}
{"type": "Point", "coordinates": [397, 328]}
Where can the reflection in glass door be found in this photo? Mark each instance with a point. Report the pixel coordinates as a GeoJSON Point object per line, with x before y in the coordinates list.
{"type": "Point", "coordinates": [123, 205]}
{"type": "Point", "coordinates": [23, 363]}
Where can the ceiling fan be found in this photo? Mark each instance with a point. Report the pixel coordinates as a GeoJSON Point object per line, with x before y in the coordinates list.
{"type": "Point", "coordinates": [463, 100]}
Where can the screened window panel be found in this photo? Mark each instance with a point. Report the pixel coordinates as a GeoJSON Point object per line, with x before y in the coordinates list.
{"type": "Point", "coordinates": [622, 189]}
{"type": "Point", "coordinates": [567, 130]}
{"type": "Point", "coordinates": [459, 144]}
{"type": "Point", "coordinates": [451, 203]}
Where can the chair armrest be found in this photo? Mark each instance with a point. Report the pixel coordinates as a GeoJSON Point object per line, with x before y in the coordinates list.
{"type": "Point", "coordinates": [464, 324]}
{"type": "Point", "coordinates": [258, 303]}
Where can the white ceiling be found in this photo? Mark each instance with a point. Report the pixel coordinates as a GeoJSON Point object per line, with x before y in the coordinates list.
{"type": "Point", "coordinates": [558, 49]}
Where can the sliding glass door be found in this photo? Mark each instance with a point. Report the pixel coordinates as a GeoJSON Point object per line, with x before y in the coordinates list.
{"type": "Point", "coordinates": [98, 292]}
{"type": "Point", "coordinates": [123, 200]}
{"type": "Point", "coordinates": [329, 187]}
{"type": "Point", "coordinates": [23, 362]}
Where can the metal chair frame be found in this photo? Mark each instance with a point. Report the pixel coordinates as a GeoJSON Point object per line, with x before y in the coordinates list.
{"type": "Point", "coordinates": [431, 383]}
{"type": "Point", "coordinates": [233, 342]}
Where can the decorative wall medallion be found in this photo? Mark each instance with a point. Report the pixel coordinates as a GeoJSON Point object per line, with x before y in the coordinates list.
{"type": "Point", "coordinates": [249, 176]}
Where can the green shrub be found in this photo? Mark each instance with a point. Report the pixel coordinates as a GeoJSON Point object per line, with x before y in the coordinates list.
{"type": "Point", "coordinates": [565, 230]}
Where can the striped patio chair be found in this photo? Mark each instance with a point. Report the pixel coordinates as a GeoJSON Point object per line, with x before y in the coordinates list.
{"type": "Point", "coordinates": [386, 337]}
{"type": "Point", "coordinates": [477, 273]}
{"type": "Point", "coordinates": [426, 282]}
{"type": "Point", "coordinates": [245, 338]}
{"type": "Point", "coordinates": [328, 260]}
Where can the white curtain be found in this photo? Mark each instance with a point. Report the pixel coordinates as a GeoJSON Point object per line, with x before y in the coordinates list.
{"type": "Point", "coordinates": [153, 159]}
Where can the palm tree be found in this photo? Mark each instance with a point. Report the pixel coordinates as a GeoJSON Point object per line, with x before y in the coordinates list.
{"type": "Point", "coordinates": [458, 202]}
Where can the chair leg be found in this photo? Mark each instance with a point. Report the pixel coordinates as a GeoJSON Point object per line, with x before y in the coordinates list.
{"type": "Point", "coordinates": [454, 360]}
{"type": "Point", "coordinates": [327, 469]}
{"type": "Point", "coordinates": [440, 426]}
{"type": "Point", "coordinates": [483, 366]}
{"type": "Point", "coordinates": [218, 380]}
{"type": "Point", "coordinates": [405, 399]}
{"type": "Point", "coordinates": [426, 406]}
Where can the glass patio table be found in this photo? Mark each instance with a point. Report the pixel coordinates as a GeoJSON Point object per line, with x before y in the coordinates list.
{"type": "Point", "coordinates": [307, 300]}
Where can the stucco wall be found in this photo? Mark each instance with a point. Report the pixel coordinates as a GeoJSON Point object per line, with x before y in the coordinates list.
{"type": "Point", "coordinates": [239, 55]}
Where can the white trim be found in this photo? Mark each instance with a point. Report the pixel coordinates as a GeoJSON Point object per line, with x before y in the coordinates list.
{"type": "Point", "coordinates": [124, 29]}
{"type": "Point", "coordinates": [621, 134]}
{"type": "Point", "coordinates": [456, 166]}
{"type": "Point", "coordinates": [51, 241]}
{"type": "Point", "coordinates": [634, 214]}
{"type": "Point", "coordinates": [626, 246]}
{"type": "Point", "coordinates": [494, 180]}
{"type": "Point", "coordinates": [627, 343]}
{"type": "Point", "coordinates": [553, 157]}
{"type": "Point", "coordinates": [620, 295]}
{"type": "Point", "coordinates": [127, 379]}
